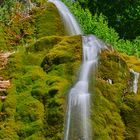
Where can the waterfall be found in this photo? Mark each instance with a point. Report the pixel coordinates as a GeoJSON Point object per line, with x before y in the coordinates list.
{"type": "Point", "coordinates": [77, 125]}
{"type": "Point", "coordinates": [134, 82]}
{"type": "Point", "coordinates": [70, 23]}
{"type": "Point", "coordinates": [78, 115]}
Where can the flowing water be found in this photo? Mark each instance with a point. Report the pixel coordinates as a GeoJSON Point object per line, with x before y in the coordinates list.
{"type": "Point", "coordinates": [78, 115]}
{"type": "Point", "coordinates": [78, 109]}
{"type": "Point", "coordinates": [70, 23]}
{"type": "Point", "coordinates": [134, 82]}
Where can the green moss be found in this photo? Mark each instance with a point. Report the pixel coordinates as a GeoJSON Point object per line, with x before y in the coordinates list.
{"type": "Point", "coordinates": [133, 63]}
{"type": "Point", "coordinates": [2, 39]}
{"type": "Point", "coordinates": [116, 109]}
{"type": "Point", "coordinates": [131, 117]}
{"type": "Point", "coordinates": [36, 99]}
{"type": "Point", "coordinates": [44, 43]}
{"type": "Point", "coordinates": [22, 30]}
{"type": "Point", "coordinates": [113, 67]}
{"type": "Point", "coordinates": [107, 122]}
{"type": "Point", "coordinates": [42, 72]}
{"type": "Point", "coordinates": [1, 106]}
{"type": "Point", "coordinates": [8, 130]}
{"type": "Point", "coordinates": [36, 136]}
{"type": "Point", "coordinates": [48, 22]}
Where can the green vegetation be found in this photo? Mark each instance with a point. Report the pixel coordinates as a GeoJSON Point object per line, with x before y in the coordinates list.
{"type": "Point", "coordinates": [98, 25]}
{"type": "Point", "coordinates": [26, 29]}
{"type": "Point", "coordinates": [114, 104]}
{"type": "Point", "coordinates": [35, 102]}
{"type": "Point", "coordinates": [44, 67]}
{"type": "Point", "coordinates": [44, 21]}
{"type": "Point", "coordinates": [40, 74]}
{"type": "Point", "coordinates": [122, 15]}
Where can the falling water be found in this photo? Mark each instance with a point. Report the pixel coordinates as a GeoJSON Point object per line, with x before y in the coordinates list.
{"type": "Point", "coordinates": [78, 116]}
{"type": "Point", "coordinates": [70, 23]}
{"type": "Point", "coordinates": [134, 84]}
{"type": "Point", "coordinates": [78, 109]}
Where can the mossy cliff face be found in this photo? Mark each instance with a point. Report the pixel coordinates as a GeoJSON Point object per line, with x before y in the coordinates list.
{"type": "Point", "coordinates": [48, 22]}
{"type": "Point", "coordinates": [44, 67]}
{"type": "Point", "coordinates": [24, 30]}
{"type": "Point", "coordinates": [35, 103]}
{"type": "Point", "coordinates": [115, 108]}
{"type": "Point", "coordinates": [41, 71]}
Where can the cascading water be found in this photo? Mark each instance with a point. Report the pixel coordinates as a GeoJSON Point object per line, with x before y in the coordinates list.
{"type": "Point", "coordinates": [134, 82]}
{"type": "Point", "coordinates": [78, 109]}
{"type": "Point", "coordinates": [70, 23]}
{"type": "Point", "coordinates": [78, 115]}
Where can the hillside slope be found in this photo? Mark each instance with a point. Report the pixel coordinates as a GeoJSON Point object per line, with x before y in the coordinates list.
{"type": "Point", "coordinates": [44, 64]}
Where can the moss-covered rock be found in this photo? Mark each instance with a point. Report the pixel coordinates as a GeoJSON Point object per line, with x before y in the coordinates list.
{"type": "Point", "coordinates": [2, 39]}
{"type": "Point", "coordinates": [42, 71]}
{"type": "Point", "coordinates": [114, 117]}
{"type": "Point", "coordinates": [48, 22]}
{"type": "Point", "coordinates": [24, 30]}
{"type": "Point", "coordinates": [36, 99]}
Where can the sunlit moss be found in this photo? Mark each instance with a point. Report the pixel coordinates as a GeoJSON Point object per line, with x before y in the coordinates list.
{"type": "Point", "coordinates": [115, 108]}
{"type": "Point", "coordinates": [48, 22]}
{"type": "Point", "coordinates": [36, 99]}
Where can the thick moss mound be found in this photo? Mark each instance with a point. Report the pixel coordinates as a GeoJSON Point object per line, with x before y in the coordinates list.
{"type": "Point", "coordinates": [48, 22]}
{"type": "Point", "coordinates": [34, 104]}
{"type": "Point", "coordinates": [115, 108]}
{"type": "Point", "coordinates": [24, 30]}
{"type": "Point", "coordinates": [42, 70]}
{"type": "Point", "coordinates": [41, 76]}
{"type": "Point", "coordinates": [2, 40]}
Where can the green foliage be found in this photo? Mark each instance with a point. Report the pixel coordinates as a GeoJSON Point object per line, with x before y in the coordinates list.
{"type": "Point", "coordinates": [6, 10]}
{"type": "Point", "coordinates": [98, 25]}
{"type": "Point", "coordinates": [93, 24]}
{"type": "Point", "coordinates": [122, 15]}
{"type": "Point", "coordinates": [44, 69]}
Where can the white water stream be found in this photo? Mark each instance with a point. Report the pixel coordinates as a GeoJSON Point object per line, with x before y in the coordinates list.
{"type": "Point", "coordinates": [134, 82]}
{"type": "Point", "coordinates": [78, 113]}
{"type": "Point", "coordinates": [77, 125]}
{"type": "Point", "coordinates": [70, 23]}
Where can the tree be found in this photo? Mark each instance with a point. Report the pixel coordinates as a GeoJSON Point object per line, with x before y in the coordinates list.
{"type": "Point", "coordinates": [123, 15]}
